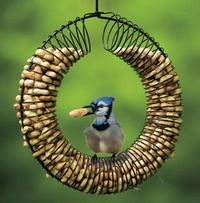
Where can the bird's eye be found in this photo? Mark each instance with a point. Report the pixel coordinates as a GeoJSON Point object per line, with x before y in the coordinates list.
{"type": "Point", "coordinates": [101, 106]}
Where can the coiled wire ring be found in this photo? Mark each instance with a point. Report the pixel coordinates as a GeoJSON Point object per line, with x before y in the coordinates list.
{"type": "Point", "coordinates": [36, 103]}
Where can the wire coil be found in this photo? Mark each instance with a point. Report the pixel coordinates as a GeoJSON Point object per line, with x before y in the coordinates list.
{"type": "Point", "coordinates": [36, 104]}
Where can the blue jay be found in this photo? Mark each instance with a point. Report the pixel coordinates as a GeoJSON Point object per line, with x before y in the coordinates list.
{"type": "Point", "coordinates": [104, 135]}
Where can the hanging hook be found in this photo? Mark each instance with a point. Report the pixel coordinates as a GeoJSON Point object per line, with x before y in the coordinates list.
{"type": "Point", "coordinates": [97, 6]}
{"type": "Point", "coordinates": [97, 13]}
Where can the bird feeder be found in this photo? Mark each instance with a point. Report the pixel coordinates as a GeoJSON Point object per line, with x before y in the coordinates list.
{"type": "Point", "coordinates": [36, 103]}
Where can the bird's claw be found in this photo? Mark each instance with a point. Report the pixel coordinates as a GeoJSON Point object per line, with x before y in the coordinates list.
{"type": "Point", "coordinates": [113, 157]}
{"type": "Point", "coordinates": [94, 159]}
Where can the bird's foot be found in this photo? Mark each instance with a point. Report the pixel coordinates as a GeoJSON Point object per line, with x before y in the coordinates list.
{"type": "Point", "coordinates": [94, 159]}
{"type": "Point", "coordinates": [113, 157]}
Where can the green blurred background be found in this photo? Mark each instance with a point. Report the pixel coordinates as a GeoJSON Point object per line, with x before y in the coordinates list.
{"type": "Point", "coordinates": [25, 24]}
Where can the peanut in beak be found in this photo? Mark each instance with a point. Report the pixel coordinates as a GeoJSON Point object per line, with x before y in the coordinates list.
{"type": "Point", "coordinates": [76, 113]}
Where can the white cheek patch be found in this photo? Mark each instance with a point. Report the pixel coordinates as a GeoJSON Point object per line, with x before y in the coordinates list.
{"type": "Point", "coordinates": [102, 111]}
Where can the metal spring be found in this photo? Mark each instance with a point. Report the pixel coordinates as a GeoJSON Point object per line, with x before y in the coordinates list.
{"type": "Point", "coordinates": [157, 140]}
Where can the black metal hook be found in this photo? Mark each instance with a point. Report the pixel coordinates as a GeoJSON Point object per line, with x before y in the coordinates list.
{"type": "Point", "coordinates": [97, 6]}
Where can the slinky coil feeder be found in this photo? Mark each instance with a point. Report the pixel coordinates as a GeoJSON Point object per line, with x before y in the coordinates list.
{"type": "Point", "coordinates": [36, 102]}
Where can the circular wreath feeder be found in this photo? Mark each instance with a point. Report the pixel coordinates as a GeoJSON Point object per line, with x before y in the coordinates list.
{"type": "Point", "coordinates": [36, 103]}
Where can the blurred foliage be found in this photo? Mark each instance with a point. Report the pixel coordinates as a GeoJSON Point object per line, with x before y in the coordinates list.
{"type": "Point", "coordinates": [25, 24]}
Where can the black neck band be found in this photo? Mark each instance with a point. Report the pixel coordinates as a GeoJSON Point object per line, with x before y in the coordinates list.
{"type": "Point", "coordinates": [101, 127]}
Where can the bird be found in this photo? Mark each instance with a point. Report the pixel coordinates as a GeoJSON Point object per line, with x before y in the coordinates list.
{"type": "Point", "coordinates": [105, 134]}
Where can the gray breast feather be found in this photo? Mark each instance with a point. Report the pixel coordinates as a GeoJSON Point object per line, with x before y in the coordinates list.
{"type": "Point", "coordinates": [107, 141]}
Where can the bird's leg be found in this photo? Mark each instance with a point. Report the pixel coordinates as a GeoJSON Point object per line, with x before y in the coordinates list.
{"type": "Point", "coordinates": [94, 159]}
{"type": "Point", "coordinates": [113, 156]}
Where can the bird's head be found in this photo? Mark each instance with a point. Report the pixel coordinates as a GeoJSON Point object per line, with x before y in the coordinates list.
{"type": "Point", "coordinates": [101, 106]}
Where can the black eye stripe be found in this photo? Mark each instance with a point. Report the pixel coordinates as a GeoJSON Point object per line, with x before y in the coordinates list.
{"type": "Point", "coordinates": [102, 105]}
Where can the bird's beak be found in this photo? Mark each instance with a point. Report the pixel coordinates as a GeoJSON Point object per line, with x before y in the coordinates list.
{"type": "Point", "coordinates": [91, 111]}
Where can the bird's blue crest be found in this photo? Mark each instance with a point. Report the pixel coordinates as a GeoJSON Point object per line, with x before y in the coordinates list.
{"type": "Point", "coordinates": [107, 100]}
